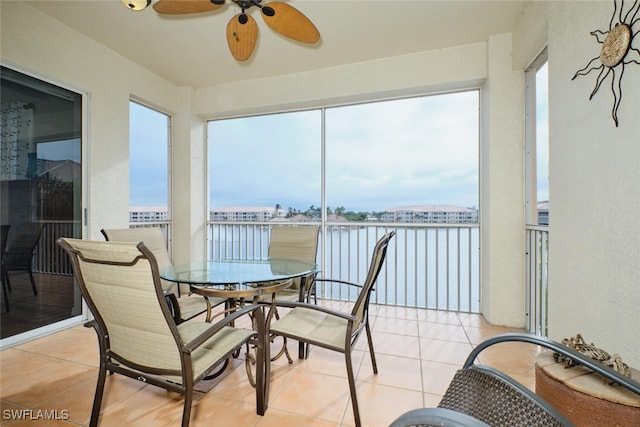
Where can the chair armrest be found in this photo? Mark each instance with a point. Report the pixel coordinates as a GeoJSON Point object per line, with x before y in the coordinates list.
{"type": "Point", "coordinates": [327, 310]}
{"type": "Point", "coordinates": [437, 417]}
{"type": "Point", "coordinates": [579, 358]}
{"type": "Point", "coordinates": [216, 327]}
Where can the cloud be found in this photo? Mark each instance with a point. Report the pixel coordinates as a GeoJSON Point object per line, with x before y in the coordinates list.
{"type": "Point", "coordinates": [421, 150]}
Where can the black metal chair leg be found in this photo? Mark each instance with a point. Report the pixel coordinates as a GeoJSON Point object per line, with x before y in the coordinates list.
{"type": "Point", "coordinates": [6, 280]}
{"type": "Point", "coordinates": [33, 283]}
{"type": "Point", "coordinates": [5, 295]}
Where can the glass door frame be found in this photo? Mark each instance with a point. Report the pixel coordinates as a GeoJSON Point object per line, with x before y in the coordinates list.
{"type": "Point", "coordinates": [84, 315]}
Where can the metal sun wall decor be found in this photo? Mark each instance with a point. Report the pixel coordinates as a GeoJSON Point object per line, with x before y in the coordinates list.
{"type": "Point", "coordinates": [617, 50]}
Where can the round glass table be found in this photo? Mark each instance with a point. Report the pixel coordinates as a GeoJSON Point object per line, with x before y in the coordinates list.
{"type": "Point", "coordinates": [238, 279]}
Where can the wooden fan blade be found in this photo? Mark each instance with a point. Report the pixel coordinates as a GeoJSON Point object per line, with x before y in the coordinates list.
{"type": "Point", "coordinates": [242, 38]}
{"type": "Point", "coordinates": [290, 22]}
{"type": "Point", "coordinates": [178, 7]}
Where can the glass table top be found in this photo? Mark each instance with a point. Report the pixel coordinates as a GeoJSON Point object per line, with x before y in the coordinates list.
{"type": "Point", "coordinates": [226, 272]}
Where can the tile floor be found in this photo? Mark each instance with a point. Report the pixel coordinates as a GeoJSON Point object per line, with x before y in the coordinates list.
{"type": "Point", "coordinates": [417, 352]}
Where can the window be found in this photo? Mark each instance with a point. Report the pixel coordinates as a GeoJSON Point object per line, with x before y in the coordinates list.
{"type": "Point", "coordinates": [148, 164]}
{"type": "Point", "coordinates": [537, 195]}
{"type": "Point", "coordinates": [405, 160]}
{"type": "Point", "coordinates": [355, 169]}
{"type": "Point", "coordinates": [265, 167]}
{"type": "Point", "coordinates": [537, 142]}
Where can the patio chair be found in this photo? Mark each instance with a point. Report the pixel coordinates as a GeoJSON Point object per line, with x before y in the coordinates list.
{"type": "Point", "coordinates": [335, 330]}
{"type": "Point", "coordinates": [21, 243]}
{"type": "Point", "coordinates": [183, 307]}
{"type": "Point", "coordinates": [299, 243]}
{"type": "Point", "coordinates": [136, 333]}
{"type": "Point", "coordinates": [480, 395]}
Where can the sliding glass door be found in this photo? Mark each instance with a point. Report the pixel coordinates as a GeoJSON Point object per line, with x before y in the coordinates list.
{"type": "Point", "coordinates": [40, 201]}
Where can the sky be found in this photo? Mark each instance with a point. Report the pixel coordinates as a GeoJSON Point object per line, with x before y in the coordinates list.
{"type": "Point", "coordinates": [542, 132]}
{"type": "Point", "coordinates": [148, 151]}
{"type": "Point", "coordinates": [413, 151]}
{"type": "Point", "coordinates": [417, 151]}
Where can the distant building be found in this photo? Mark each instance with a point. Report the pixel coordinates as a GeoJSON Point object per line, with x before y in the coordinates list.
{"type": "Point", "coordinates": [438, 214]}
{"type": "Point", "coordinates": [148, 214]}
{"type": "Point", "coordinates": [255, 214]}
{"type": "Point", "coordinates": [543, 212]}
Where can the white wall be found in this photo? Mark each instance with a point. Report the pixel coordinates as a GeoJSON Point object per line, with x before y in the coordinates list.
{"type": "Point", "coordinates": [432, 71]}
{"type": "Point", "coordinates": [502, 185]}
{"type": "Point", "coordinates": [594, 268]}
{"type": "Point", "coordinates": [55, 52]}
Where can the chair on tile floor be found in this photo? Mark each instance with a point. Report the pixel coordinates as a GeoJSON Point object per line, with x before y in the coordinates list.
{"type": "Point", "coordinates": [299, 243]}
{"type": "Point", "coordinates": [137, 335]}
{"type": "Point", "coordinates": [481, 395]}
{"type": "Point", "coordinates": [334, 330]}
{"type": "Point", "coordinates": [183, 307]}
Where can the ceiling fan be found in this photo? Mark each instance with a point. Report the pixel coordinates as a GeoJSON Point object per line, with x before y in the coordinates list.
{"type": "Point", "coordinates": [242, 29]}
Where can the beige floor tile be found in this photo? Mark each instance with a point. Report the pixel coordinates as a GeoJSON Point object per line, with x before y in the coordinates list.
{"type": "Point", "coordinates": [431, 400]}
{"type": "Point", "coordinates": [150, 406]}
{"type": "Point", "coordinates": [472, 319]}
{"type": "Point", "coordinates": [42, 385]}
{"type": "Point", "coordinates": [394, 371]}
{"type": "Point", "coordinates": [16, 365]}
{"type": "Point", "coordinates": [396, 326]}
{"type": "Point", "coordinates": [438, 316]}
{"type": "Point", "coordinates": [236, 385]}
{"type": "Point", "coordinates": [436, 376]}
{"type": "Point", "coordinates": [418, 352]}
{"type": "Point", "coordinates": [277, 418]}
{"type": "Point", "coordinates": [380, 405]}
{"type": "Point", "coordinates": [477, 335]}
{"type": "Point", "coordinates": [394, 312]}
{"type": "Point", "coordinates": [439, 331]}
{"type": "Point", "coordinates": [76, 401]}
{"type": "Point", "coordinates": [77, 344]}
{"type": "Point", "coordinates": [314, 395]}
{"type": "Point", "coordinates": [329, 362]}
{"type": "Point", "coordinates": [214, 410]}
{"type": "Point", "coordinates": [444, 351]}
{"type": "Point", "coordinates": [395, 345]}
{"type": "Point", "coordinates": [512, 358]}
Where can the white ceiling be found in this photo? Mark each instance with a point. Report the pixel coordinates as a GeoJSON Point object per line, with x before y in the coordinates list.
{"type": "Point", "coordinates": [191, 50]}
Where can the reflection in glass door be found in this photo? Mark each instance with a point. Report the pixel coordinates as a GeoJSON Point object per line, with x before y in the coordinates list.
{"type": "Point", "coordinates": [40, 201]}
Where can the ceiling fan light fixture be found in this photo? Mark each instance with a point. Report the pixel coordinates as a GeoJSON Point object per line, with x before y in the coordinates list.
{"type": "Point", "coordinates": [136, 4]}
{"type": "Point", "coordinates": [268, 11]}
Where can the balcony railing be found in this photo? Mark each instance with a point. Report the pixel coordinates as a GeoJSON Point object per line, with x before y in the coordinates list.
{"type": "Point", "coordinates": [536, 287]}
{"type": "Point", "coordinates": [49, 257]}
{"type": "Point", "coordinates": [427, 265]}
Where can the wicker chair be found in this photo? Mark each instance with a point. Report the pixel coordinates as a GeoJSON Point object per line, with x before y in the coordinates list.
{"type": "Point", "coordinates": [334, 330]}
{"type": "Point", "coordinates": [183, 307]}
{"type": "Point", "coordinates": [480, 395]}
{"type": "Point", "coordinates": [136, 333]}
